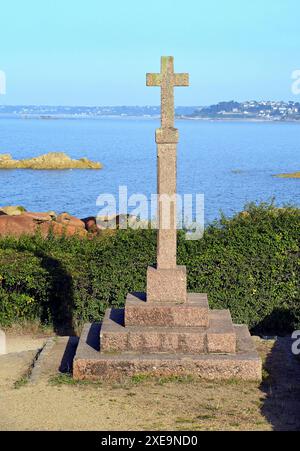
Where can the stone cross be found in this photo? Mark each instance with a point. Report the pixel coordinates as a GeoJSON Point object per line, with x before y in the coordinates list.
{"type": "Point", "coordinates": [166, 138]}
{"type": "Point", "coordinates": [167, 79]}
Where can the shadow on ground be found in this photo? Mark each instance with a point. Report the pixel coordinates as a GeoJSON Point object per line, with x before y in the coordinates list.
{"type": "Point", "coordinates": [66, 365]}
{"type": "Point", "coordinates": [61, 302]}
{"type": "Point", "coordinates": [282, 387]}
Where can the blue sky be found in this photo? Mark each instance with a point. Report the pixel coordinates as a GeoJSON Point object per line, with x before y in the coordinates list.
{"type": "Point", "coordinates": [96, 52]}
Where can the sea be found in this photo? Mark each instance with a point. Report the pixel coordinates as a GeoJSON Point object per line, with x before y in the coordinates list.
{"type": "Point", "coordinates": [230, 163]}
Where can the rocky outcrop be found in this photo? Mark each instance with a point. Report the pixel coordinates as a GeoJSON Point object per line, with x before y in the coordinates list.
{"type": "Point", "coordinates": [16, 221]}
{"type": "Point", "coordinates": [17, 225]}
{"type": "Point", "coordinates": [51, 160]}
{"type": "Point", "coordinates": [29, 223]}
{"type": "Point", "coordinates": [98, 223]}
{"type": "Point", "coordinates": [293, 175]}
{"type": "Point", "coordinates": [90, 224]}
{"type": "Point", "coordinates": [38, 217]}
{"type": "Point", "coordinates": [69, 220]}
{"type": "Point", "coordinates": [63, 230]}
{"type": "Point", "coordinates": [12, 210]}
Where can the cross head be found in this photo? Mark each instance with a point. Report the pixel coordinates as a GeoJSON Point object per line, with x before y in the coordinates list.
{"type": "Point", "coordinates": [167, 80]}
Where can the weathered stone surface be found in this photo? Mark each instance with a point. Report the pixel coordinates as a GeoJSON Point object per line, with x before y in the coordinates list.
{"type": "Point", "coordinates": [26, 224]}
{"type": "Point", "coordinates": [5, 156]}
{"type": "Point", "coordinates": [52, 214]}
{"type": "Point", "coordinates": [167, 233]}
{"type": "Point", "coordinates": [51, 160]}
{"type": "Point", "coordinates": [292, 175]}
{"type": "Point", "coordinates": [89, 364]}
{"type": "Point", "coordinates": [115, 337]}
{"type": "Point", "coordinates": [221, 335]}
{"type": "Point", "coordinates": [218, 337]}
{"type": "Point", "coordinates": [194, 312]}
{"type": "Point", "coordinates": [17, 225]}
{"type": "Point", "coordinates": [69, 220]}
{"type": "Point", "coordinates": [166, 80]}
{"type": "Point", "coordinates": [12, 210]}
{"type": "Point", "coordinates": [38, 216]}
{"type": "Point", "coordinates": [3, 349]}
{"type": "Point", "coordinates": [62, 229]}
{"type": "Point", "coordinates": [166, 285]}
{"type": "Point", "coordinates": [166, 136]}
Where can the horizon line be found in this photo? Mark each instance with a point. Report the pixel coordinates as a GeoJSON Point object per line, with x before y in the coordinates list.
{"type": "Point", "coordinates": [140, 105]}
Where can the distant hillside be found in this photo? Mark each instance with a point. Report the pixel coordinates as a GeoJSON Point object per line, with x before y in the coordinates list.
{"type": "Point", "coordinates": [249, 110]}
{"type": "Point", "coordinates": [264, 110]}
{"type": "Point", "coordinates": [48, 112]}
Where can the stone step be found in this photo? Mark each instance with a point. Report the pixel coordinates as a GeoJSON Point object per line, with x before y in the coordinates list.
{"type": "Point", "coordinates": [90, 364]}
{"type": "Point", "coordinates": [193, 312]}
{"type": "Point", "coordinates": [219, 337]}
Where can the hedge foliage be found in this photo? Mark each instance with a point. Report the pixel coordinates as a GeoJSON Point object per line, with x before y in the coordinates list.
{"type": "Point", "coordinates": [249, 264]}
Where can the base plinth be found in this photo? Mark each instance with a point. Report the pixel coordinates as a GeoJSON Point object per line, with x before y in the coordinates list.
{"type": "Point", "coordinates": [89, 364]}
{"type": "Point", "coordinates": [166, 285]}
{"type": "Point", "coordinates": [163, 339]}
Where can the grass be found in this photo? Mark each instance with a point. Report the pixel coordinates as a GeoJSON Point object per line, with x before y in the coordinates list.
{"type": "Point", "coordinates": [141, 378]}
{"type": "Point", "coordinates": [184, 420]}
{"type": "Point", "coordinates": [126, 383]}
{"type": "Point", "coordinates": [67, 379]}
{"type": "Point", "coordinates": [205, 416]}
{"type": "Point", "coordinates": [21, 382]}
{"type": "Point", "coordinates": [24, 379]}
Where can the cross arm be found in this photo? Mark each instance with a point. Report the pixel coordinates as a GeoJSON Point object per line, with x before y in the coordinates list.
{"type": "Point", "coordinates": [181, 79]}
{"type": "Point", "coordinates": [153, 80]}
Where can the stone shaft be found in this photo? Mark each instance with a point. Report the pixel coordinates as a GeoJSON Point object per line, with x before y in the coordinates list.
{"type": "Point", "coordinates": [166, 184]}
{"type": "Point", "coordinates": [167, 282]}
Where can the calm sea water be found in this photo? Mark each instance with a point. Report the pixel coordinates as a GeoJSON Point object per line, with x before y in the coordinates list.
{"type": "Point", "coordinates": [231, 163]}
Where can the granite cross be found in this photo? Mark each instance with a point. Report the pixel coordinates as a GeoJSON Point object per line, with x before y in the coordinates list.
{"type": "Point", "coordinates": [167, 79]}
{"type": "Point", "coordinates": [166, 139]}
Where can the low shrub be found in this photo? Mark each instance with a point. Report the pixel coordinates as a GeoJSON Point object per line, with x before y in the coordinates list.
{"type": "Point", "coordinates": [249, 263]}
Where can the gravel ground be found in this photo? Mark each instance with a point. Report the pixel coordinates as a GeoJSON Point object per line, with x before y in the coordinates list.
{"type": "Point", "coordinates": [57, 403]}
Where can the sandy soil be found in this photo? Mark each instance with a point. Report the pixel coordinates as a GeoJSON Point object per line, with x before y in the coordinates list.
{"type": "Point", "coordinates": [22, 343]}
{"type": "Point", "coordinates": [155, 404]}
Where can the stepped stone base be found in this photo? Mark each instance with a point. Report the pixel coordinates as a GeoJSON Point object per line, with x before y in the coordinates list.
{"type": "Point", "coordinates": [218, 337]}
{"type": "Point", "coordinates": [166, 338]}
{"type": "Point", "coordinates": [194, 312]}
{"type": "Point", "coordinates": [90, 364]}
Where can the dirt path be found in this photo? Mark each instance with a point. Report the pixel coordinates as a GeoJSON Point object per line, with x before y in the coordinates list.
{"type": "Point", "coordinates": [159, 405]}
{"type": "Point", "coordinates": [22, 343]}
{"type": "Point", "coordinates": [21, 351]}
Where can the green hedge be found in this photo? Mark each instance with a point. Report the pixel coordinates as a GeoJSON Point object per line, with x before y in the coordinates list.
{"type": "Point", "coordinates": [249, 264]}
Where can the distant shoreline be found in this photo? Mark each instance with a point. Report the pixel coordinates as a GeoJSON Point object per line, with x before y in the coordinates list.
{"type": "Point", "coordinates": [210, 119]}
{"type": "Point", "coordinates": [103, 117]}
